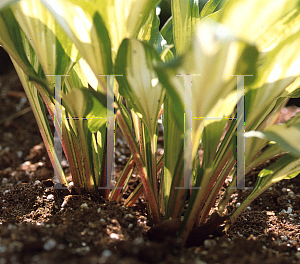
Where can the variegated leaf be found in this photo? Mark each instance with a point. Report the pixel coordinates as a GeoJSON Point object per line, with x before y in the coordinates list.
{"type": "Point", "coordinates": [140, 84]}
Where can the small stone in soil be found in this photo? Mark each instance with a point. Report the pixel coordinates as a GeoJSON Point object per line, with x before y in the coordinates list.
{"type": "Point", "coordinates": [84, 206]}
{"type": "Point", "coordinates": [50, 244]}
{"type": "Point", "coordinates": [106, 253]}
{"type": "Point", "coordinates": [114, 236]}
{"type": "Point", "coordinates": [50, 197]}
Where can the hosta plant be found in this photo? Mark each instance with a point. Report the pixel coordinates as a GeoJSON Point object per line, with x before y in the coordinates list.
{"type": "Point", "coordinates": [218, 77]}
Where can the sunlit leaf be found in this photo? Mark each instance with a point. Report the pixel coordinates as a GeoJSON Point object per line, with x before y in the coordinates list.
{"type": "Point", "coordinates": [185, 14]}
{"type": "Point", "coordinates": [86, 29]}
{"type": "Point", "coordinates": [216, 55]}
{"type": "Point", "coordinates": [279, 72]}
{"type": "Point", "coordinates": [256, 16]}
{"type": "Point", "coordinates": [209, 8]}
{"type": "Point", "coordinates": [140, 84]}
{"type": "Point", "coordinates": [42, 31]}
{"type": "Point", "coordinates": [88, 104]}
{"type": "Point", "coordinates": [285, 135]}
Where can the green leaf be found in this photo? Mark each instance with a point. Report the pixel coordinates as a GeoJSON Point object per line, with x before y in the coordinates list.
{"type": "Point", "coordinates": [122, 19]}
{"type": "Point", "coordinates": [278, 76]}
{"type": "Point", "coordinates": [217, 56]}
{"type": "Point", "coordinates": [5, 3]}
{"type": "Point", "coordinates": [42, 121]}
{"type": "Point", "coordinates": [286, 26]}
{"type": "Point", "coordinates": [86, 29]}
{"type": "Point", "coordinates": [150, 33]}
{"type": "Point", "coordinates": [256, 16]}
{"type": "Point", "coordinates": [140, 84]}
{"type": "Point", "coordinates": [87, 104]}
{"type": "Point", "coordinates": [253, 147]}
{"type": "Point", "coordinates": [285, 135]}
{"type": "Point", "coordinates": [185, 14]}
{"type": "Point", "coordinates": [42, 32]}
{"type": "Point", "coordinates": [167, 33]}
{"type": "Point", "coordinates": [287, 166]}
{"type": "Point", "coordinates": [18, 47]}
{"type": "Point", "coordinates": [209, 8]}
{"type": "Point", "coordinates": [173, 149]}
{"type": "Point", "coordinates": [211, 140]}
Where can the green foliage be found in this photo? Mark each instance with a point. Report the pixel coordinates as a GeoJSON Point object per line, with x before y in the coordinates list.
{"type": "Point", "coordinates": [202, 49]}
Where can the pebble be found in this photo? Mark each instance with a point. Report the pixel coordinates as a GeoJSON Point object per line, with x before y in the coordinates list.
{"type": "Point", "coordinates": [84, 206]}
{"type": "Point", "coordinates": [50, 197]}
{"type": "Point", "coordinates": [209, 243]}
{"type": "Point", "coordinates": [2, 249]}
{"type": "Point", "coordinates": [121, 143]}
{"type": "Point", "coordinates": [6, 191]}
{"type": "Point", "coordinates": [50, 244]}
{"type": "Point", "coordinates": [289, 210]}
{"type": "Point", "coordinates": [128, 216]}
{"type": "Point", "coordinates": [122, 150]}
{"type": "Point", "coordinates": [37, 182]}
{"type": "Point", "coordinates": [238, 205]}
{"type": "Point", "coordinates": [98, 210]}
{"type": "Point", "coordinates": [106, 253]}
{"type": "Point", "coordinates": [138, 241]}
{"type": "Point", "coordinates": [114, 236]}
{"type": "Point", "coordinates": [4, 180]}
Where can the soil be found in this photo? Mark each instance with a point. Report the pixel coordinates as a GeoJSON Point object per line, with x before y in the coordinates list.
{"type": "Point", "coordinates": [39, 224]}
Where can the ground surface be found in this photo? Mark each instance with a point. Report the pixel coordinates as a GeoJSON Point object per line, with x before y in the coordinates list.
{"type": "Point", "coordinates": [40, 225]}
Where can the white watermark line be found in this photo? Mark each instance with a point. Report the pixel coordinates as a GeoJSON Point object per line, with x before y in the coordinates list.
{"type": "Point", "coordinates": [240, 145]}
{"type": "Point", "coordinates": [82, 118]}
{"type": "Point", "coordinates": [215, 118]}
{"type": "Point", "coordinates": [240, 131]}
{"type": "Point", "coordinates": [188, 114]}
{"type": "Point", "coordinates": [110, 178]}
{"type": "Point", "coordinates": [187, 129]}
{"type": "Point", "coordinates": [58, 125]}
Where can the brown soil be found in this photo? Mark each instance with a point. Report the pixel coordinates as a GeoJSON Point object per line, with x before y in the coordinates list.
{"type": "Point", "coordinates": [42, 225]}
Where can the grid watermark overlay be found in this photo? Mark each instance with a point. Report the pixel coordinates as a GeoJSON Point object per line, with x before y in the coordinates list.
{"type": "Point", "coordinates": [188, 119]}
